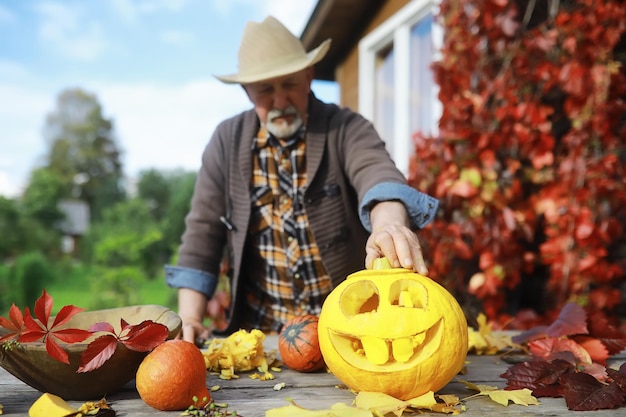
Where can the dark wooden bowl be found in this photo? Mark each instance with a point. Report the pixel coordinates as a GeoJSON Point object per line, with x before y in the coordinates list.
{"type": "Point", "coordinates": [31, 363]}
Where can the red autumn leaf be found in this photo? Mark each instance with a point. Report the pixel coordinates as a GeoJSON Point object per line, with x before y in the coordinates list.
{"type": "Point", "coordinates": [618, 376]}
{"type": "Point", "coordinates": [541, 377]}
{"type": "Point", "coordinates": [33, 331]}
{"type": "Point", "coordinates": [101, 327]}
{"type": "Point", "coordinates": [124, 324]}
{"type": "Point", "coordinates": [552, 347]}
{"type": "Point", "coordinates": [613, 339]}
{"type": "Point", "coordinates": [38, 330]}
{"type": "Point", "coordinates": [55, 351]}
{"type": "Point", "coordinates": [571, 320]}
{"type": "Point", "coordinates": [533, 333]}
{"type": "Point", "coordinates": [142, 337]}
{"type": "Point", "coordinates": [43, 308]}
{"type": "Point", "coordinates": [582, 392]}
{"type": "Point", "coordinates": [72, 335]}
{"type": "Point", "coordinates": [597, 351]}
{"type": "Point", "coordinates": [14, 324]}
{"type": "Point", "coordinates": [65, 314]}
{"type": "Point", "coordinates": [97, 353]}
{"type": "Point", "coordinates": [145, 336]}
{"type": "Point", "coordinates": [596, 370]}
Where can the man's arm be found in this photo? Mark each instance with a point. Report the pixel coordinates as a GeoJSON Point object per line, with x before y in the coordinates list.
{"type": "Point", "coordinates": [393, 238]}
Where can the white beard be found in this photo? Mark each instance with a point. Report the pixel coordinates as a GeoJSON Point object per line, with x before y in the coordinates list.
{"type": "Point", "coordinates": [283, 130]}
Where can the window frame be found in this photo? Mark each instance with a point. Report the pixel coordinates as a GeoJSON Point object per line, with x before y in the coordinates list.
{"type": "Point", "coordinates": [397, 31]}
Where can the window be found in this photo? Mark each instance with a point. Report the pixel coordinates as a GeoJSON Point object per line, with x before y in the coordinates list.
{"type": "Point", "coordinates": [397, 90]}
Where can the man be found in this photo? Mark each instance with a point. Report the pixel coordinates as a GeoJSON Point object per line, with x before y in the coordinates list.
{"type": "Point", "coordinates": [291, 191]}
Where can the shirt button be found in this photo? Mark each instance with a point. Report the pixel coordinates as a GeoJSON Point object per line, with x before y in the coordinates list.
{"type": "Point", "coordinates": [296, 275]}
{"type": "Point", "coordinates": [290, 239]}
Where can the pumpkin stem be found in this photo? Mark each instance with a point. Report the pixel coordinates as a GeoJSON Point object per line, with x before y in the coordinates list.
{"type": "Point", "coordinates": [381, 263]}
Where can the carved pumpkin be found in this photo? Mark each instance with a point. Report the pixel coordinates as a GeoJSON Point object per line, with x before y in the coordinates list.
{"type": "Point", "coordinates": [394, 331]}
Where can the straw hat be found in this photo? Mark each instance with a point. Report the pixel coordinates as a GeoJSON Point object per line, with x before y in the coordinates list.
{"type": "Point", "coordinates": [268, 50]}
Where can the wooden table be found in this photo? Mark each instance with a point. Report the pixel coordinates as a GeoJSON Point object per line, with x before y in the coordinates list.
{"type": "Point", "coordinates": [252, 398]}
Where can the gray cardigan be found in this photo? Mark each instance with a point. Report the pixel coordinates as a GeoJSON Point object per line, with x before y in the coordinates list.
{"type": "Point", "coordinates": [348, 169]}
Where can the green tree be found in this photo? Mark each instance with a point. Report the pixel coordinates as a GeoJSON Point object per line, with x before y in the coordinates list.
{"type": "Point", "coordinates": [32, 272]}
{"type": "Point", "coordinates": [168, 194]}
{"type": "Point", "coordinates": [173, 223]}
{"type": "Point", "coordinates": [12, 238]}
{"type": "Point", "coordinates": [41, 197]}
{"type": "Point", "coordinates": [125, 235]}
{"type": "Point", "coordinates": [83, 151]}
{"type": "Point", "coordinates": [153, 187]}
{"type": "Point", "coordinates": [122, 252]}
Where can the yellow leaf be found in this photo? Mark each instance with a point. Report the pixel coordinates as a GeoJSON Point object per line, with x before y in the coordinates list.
{"type": "Point", "coordinates": [518, 396]}
{"type": "Point", "coordinates": [477, 387]}
{"type": "Point", "coordinates": [428, 402]}
{"type": "Point", "coordinates": [92, 408]}
{"type": "Point", "coordinates": [423, 401]}
{"type": "Point", "coordinates": [378, 401]}
{"type": "Point", "coordinates": [484, 341]}
{"type": "Point", "coordinates": [449, 399]}
{"type": "Point", "coordinates": [336, 410]}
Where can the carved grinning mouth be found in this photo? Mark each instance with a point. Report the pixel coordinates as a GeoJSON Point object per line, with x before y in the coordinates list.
{"type": "Point", "coordinates": [379, 354]}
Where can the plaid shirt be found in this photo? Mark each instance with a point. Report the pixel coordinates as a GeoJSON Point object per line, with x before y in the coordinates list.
{"type": "Point", "coordinates": [289, 278]}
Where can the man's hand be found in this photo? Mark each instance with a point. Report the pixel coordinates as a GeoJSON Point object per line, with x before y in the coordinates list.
{"type": "Point", "coordinates": [191, 309]}
{"type": "Point", "coordinates": [392, 238]}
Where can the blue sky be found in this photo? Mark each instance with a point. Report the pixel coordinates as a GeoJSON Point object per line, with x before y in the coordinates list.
{"type": "Point", "coordinates": [150, 63]}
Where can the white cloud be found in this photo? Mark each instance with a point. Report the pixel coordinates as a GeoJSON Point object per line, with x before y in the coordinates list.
{"type": "Point", "coordinates": [293, 14]}
{"type": "Point", "coordinates": [12, 70]}
{"type": "Point", "coordinates": [158, 126]}
{"type": "Point", "coordinates": [167, 127]}
{"type": "Point", "coordinates": [130, 9]}
{"type": "Point", "coordinates": [66, 28]}
{"type": "Point", "coordinates": [5, 186]}
{"type": "Point", "coordinates": [177, 37]}
{"type": "Point", "coordinates": [21, 119]}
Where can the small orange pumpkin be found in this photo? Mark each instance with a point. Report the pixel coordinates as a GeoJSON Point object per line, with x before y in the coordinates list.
{"type": "Point", "coordinates": [171, 376]}
{"type": "Point", "coordinates": [394, 331]}
{"type": "Point", "coordinates": [299, 346]}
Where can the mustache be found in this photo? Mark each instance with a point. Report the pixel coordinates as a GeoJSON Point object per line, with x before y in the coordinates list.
{"type": "Point", "coordinates": [289, 111]}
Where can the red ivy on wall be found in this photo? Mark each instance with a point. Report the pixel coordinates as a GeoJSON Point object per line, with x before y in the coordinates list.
{"type": "Point", "coordinates": [529, 161]}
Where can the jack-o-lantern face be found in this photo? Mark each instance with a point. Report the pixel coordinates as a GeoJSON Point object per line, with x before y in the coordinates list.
{"type": "Point", "coordinates": [394, 331]}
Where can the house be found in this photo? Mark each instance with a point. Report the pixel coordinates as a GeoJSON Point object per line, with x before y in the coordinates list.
{"type": "Point", "coordinates": [380, 57]}
{"type": "Point", "coordinates": [75, 223]}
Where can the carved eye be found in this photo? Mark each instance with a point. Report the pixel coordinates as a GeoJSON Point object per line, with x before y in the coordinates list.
{"type": "Point", "coordinates": [359, 297]}
{"type": "Point", "coordinates": [408, 293]}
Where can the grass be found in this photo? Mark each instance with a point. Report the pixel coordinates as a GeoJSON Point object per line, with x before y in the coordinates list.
{"type": "Point", "coordinates": [153, 291]}
{"type": "Point", "coordinates": [76, 286]}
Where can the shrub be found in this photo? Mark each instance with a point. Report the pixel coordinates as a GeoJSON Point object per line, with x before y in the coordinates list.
{"type": "Point", "coordinates": [31, 273]}
{"type": "Point", "coordinates": [529, 161]}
